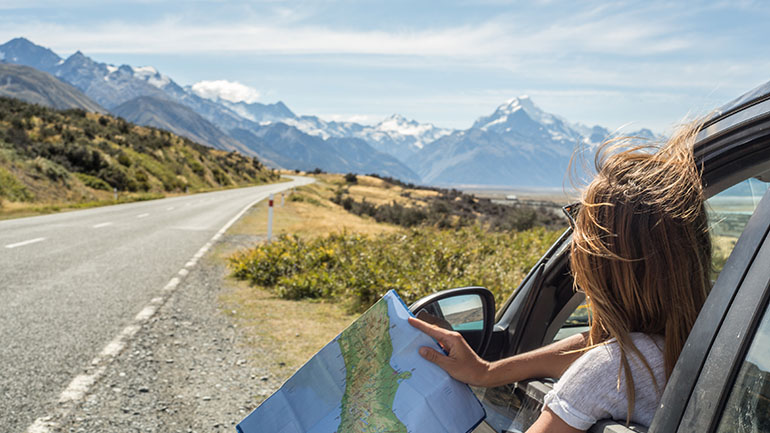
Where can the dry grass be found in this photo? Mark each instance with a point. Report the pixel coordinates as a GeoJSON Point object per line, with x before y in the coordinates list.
{"type": "Point", "coordinates": [292, 331]}
{"type": "Point", "coordinates": [315, 216]}
{"type": "Point", "coordinates": [10, 210]}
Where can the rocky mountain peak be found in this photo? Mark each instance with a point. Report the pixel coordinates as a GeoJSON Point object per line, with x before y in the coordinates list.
{"type": "Point", "coordinates": [23, 52]}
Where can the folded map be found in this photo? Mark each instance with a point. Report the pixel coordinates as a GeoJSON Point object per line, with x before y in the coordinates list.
{"type": "Point", "coordinates": [370, 378]}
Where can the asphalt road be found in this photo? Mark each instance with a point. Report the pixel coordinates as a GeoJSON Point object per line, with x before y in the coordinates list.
{"type": "Point", "coordinates": [70, 282]}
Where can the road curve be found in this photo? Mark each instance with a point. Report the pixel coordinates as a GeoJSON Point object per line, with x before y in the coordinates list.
{"type": "Point", "coordinates": [70, 282]}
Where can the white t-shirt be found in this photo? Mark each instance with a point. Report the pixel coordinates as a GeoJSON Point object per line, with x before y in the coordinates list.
{"type": "Point", "coordinates": [588, 391]}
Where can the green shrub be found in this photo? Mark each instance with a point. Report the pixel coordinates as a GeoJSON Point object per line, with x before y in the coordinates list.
{"type": "Point", "coordinates": [11, 188]}
{"type": "Point", "coordinates": [351, 178]}
{"type": "Point", "coordinates": [297, 197]}
{"type": "Point", "coordinates": [197, 168]}
{"type": "Point", "coordinates": [452, 209]}
{"type": "Point", "coordinates": [124, 159]}
{"type": "Point", "coordinates": [50, 169]}
{"type": "Point", "coordinates": [360, 269]}
{"type": "Point", "coordinates": [93, 182]}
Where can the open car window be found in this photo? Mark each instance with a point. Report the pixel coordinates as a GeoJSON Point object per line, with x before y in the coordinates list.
{"type": "Point", "coordinates": [728, 213]}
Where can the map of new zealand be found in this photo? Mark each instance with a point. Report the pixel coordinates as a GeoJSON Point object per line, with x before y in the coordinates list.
{"type": "Point", "coordinates": [370, 378]}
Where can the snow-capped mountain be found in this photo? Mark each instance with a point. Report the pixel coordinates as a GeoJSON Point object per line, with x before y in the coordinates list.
{"type": "Point", "coordinates": [518, 144]}
{"type": "Point", "coordinates": [401, 136]}
{"type": "Point", "coordinates": [395, 135]}
{"type": "Point", "coordinates": [508, 119]}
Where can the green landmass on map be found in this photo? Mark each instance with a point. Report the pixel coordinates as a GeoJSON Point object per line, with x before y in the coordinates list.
{"type": "Point", "coordinates": [370, 381]}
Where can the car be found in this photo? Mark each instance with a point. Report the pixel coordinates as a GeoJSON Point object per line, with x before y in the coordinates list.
{"type": "Point", "coordinates": [721, 381]}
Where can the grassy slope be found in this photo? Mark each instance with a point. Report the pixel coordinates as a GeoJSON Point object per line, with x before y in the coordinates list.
{"type": "Point", "coordinates": [53, 159]}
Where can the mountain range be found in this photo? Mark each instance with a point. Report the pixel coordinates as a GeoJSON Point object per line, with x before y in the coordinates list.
{"type": "Point", "coordinates": [516, 145]}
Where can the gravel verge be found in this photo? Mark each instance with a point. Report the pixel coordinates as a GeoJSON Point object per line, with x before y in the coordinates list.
{"type": "Point", "coordinates": [189, 369]}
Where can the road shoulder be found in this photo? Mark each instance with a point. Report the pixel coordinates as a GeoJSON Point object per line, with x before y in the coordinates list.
{"type": "Point", "coordinates": [188, 369]}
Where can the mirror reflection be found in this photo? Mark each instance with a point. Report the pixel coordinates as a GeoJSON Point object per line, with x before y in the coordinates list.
{"type": "Point", "coordinates": [464, 313]}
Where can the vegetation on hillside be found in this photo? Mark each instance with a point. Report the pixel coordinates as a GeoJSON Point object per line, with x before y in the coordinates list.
{"type": "Point", "coordinates": [75, 156]}
{"type": "Point", "coordinates": [447, 208]}
{"type": "Point", "coordinates": [357, 269]}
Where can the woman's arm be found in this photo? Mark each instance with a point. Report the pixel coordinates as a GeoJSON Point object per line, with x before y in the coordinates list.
{"type": "Point", "coordinates": [549, 422]}
{"type": "Point", "coordinates": [465, 365]}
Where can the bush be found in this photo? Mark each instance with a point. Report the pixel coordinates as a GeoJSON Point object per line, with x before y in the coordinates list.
{"type": "Point", "coordinates": [116, 177]}
{"type": "Point", "coordinates": [297, 197]}
{"type": "Point", "coordinates": [50, 169]}
{"type": "Point", "coordinates": [453, 209]}
{"type": "Point", "coordinates": [93, 182]}
{"type": "Point", "coordinates": [351, 178]}
{"type": "Point", "coordinates": [360, 269]}
{"type": "Point", "coordinates": [11, 188]}
{"type": "Point", "coordinates": [124, 159]}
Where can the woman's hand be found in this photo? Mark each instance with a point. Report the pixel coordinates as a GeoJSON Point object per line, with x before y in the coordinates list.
{"type": "Point", "coordinates": [461, 362]}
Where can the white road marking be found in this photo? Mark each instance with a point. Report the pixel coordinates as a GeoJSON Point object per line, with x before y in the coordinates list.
{"type": "Point", "coordinates": [81, 384]}
{"type": "Point", "coordinates": [170, 208]}
{"type": "Point", "coordinates": [21, 244]}
{"type": "Point", "coordinates": [171, 285]}
{"type": "Point", "coordinates": [96, 226]}
{"type": "Point", "coordinates": [144, 215]}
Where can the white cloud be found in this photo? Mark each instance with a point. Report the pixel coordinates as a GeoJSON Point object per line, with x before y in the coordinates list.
{"type": "Point", "coordinates": [172, 35]}
{"type": "Point", "coordinates": [232, 91]}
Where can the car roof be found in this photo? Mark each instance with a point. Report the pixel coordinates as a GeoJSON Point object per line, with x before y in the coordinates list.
{"type": "Point", "coordinates": [757, 94]}
{"type": "Point", "coordinates": [734, 143]}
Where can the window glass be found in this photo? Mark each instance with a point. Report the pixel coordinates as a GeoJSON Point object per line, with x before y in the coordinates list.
{"type": "Point", "coordinates": [579, 321]}
{"type": "Point", "coordinates": [748, 407]}
{"type": "Point", "coordinates": [728, 212]}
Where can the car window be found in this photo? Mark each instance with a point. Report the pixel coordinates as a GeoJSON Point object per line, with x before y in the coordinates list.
{"type": "Point", "coordinates": [748, 406]}
{"type": "Point", "coordinates": [577, 322]}
{"type": "Point", "coordinates": [728, 212]}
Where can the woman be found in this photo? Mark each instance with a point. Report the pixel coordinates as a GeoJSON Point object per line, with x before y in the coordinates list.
{"type": "Point", "coordinates": [641, 253]}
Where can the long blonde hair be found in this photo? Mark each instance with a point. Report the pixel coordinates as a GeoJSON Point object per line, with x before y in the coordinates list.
{"type": "Point", "coordinates": [640, 250]}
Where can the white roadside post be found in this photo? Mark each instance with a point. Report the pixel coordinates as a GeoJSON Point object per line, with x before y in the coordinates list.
{"type": "Point", "coordinates": [270, 218]}
{"type": "Point", "coordinates": [282, 194]}
{"type": "Point", "coordinates": [115, 193]}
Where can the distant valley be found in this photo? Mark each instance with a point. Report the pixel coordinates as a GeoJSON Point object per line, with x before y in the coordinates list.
{"type": "Point", "coordinates": [516, 145]}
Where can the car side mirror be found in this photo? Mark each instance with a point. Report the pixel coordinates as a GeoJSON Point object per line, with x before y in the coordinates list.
{"type": "Point", "coordinates": [467, 310]}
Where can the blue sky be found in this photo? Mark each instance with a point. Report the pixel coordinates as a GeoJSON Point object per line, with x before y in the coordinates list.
{"type": "Point", "coordinates": [645, 63]}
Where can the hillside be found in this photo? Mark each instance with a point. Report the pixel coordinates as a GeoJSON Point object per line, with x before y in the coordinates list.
{"type": "Point", "coordinates": [71, 156]}
{"type": "Point", "coordinates": [291, 148]}
{"type": "Point", "coordinates": [31, 85]}
{"type": "Point", "coordinates": [179, 119]}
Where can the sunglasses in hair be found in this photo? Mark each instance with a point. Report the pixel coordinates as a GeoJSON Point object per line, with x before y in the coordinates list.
{"type": "Point", "coordinates": [571, 212]}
